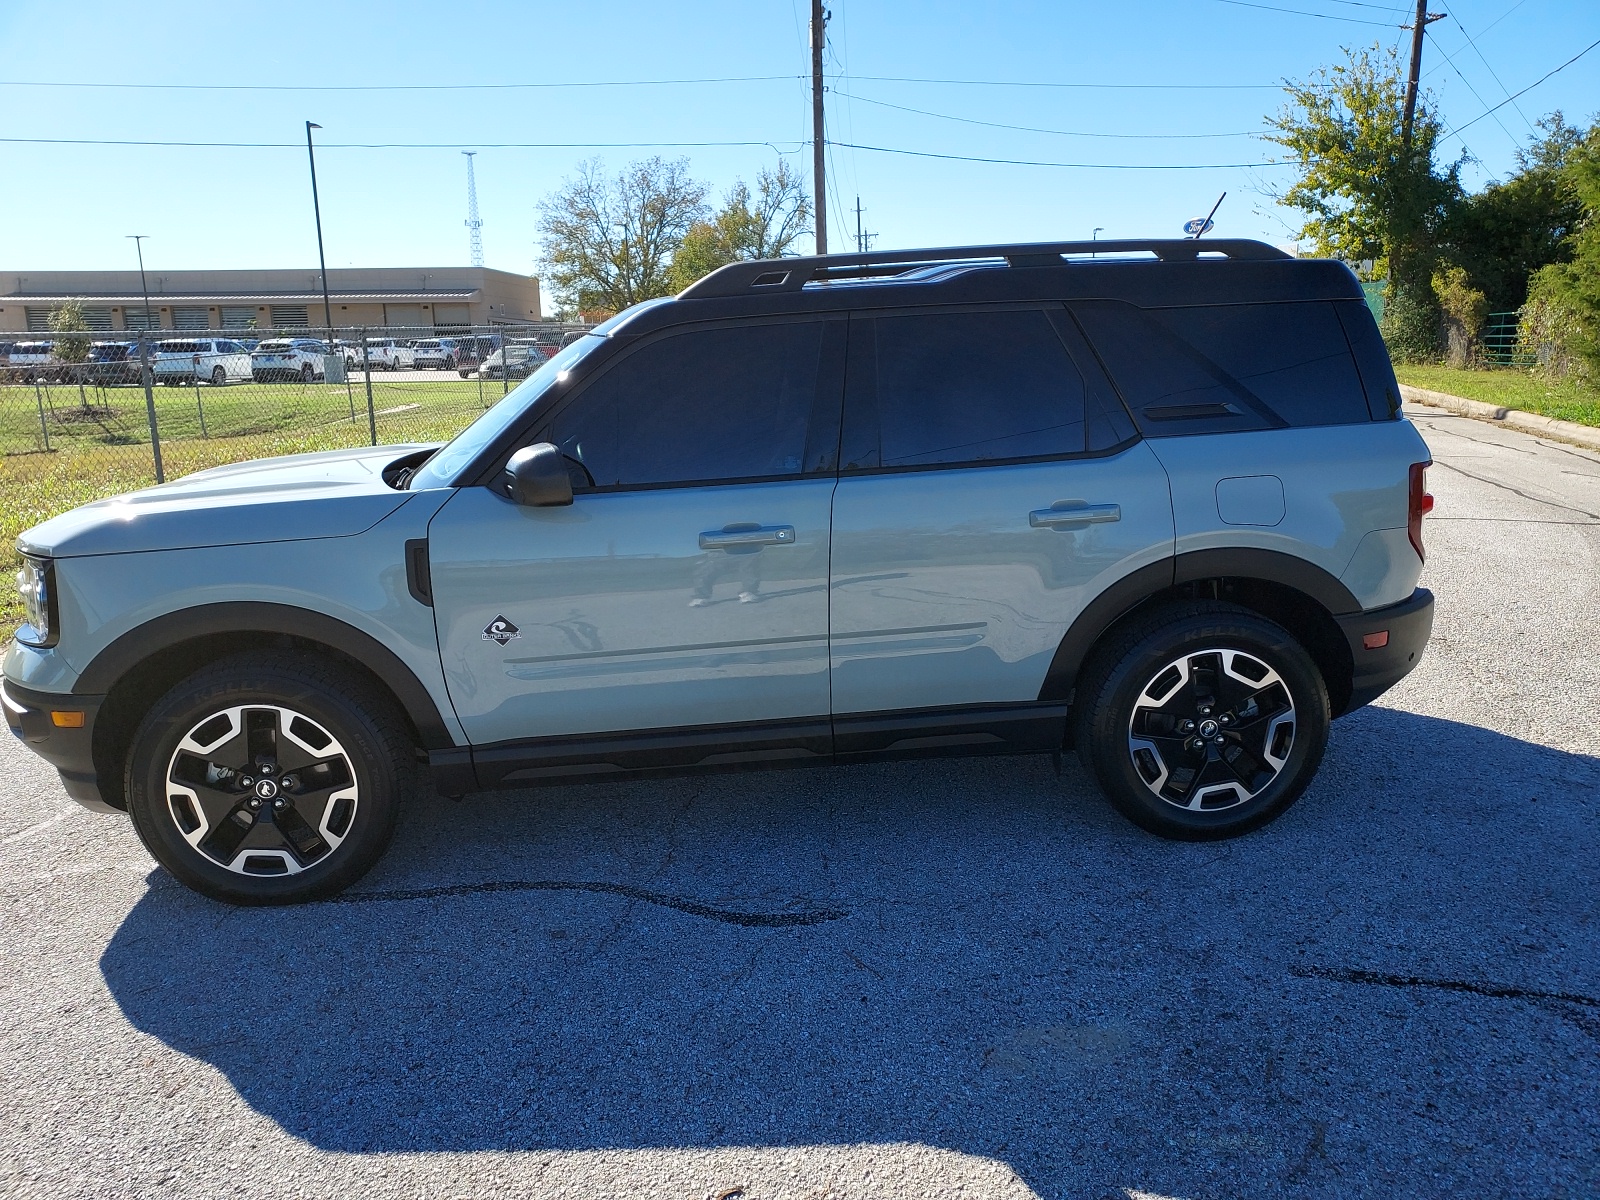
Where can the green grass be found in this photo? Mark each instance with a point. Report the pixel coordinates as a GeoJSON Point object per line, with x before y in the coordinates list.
{"type": "Point", "coordinates": [104, 449]}
{"type": "Point", "coordinates": [1565, 399]}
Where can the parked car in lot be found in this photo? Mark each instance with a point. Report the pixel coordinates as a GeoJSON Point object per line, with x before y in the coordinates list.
{"type": "Point", "coordinates": [112, 363]}
{"type": "Point", "coordinates": [472, 352]}
{"type": "Point", "coordinates": [205, 360]}
{"type": "Point", "coordinates": [433, 354]}
{"type": "Point", "coordinates": [1152, 501]}
{"type": "Point", "coordinates": [514, 360]}
{"type": "Point", "coordinates": [287, 358]}
{"type": "Point", "coordinates": [390, 354]}
{"type": "Point", "coordinates": [33, 360]}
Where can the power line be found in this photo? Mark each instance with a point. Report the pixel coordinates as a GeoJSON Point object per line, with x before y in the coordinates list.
{"type": "Point", "coordinates": [1048, 83]}
{"type": "Point", "coordinates": [1300, 12]}
{"type": "Point", "coordinates": [1527, 89]}
{"type": "Point", "coordinates": [389, 145]}
{"type": "Point", "coordinates": [1474, 90]}
{"type": "Point", "coordinates": [1033, 128]}
{"type": "Point", "coordinates": [388, 87]}
{"type": "Point", "coordinates": [1023, 162]}
{"type": "Point", "coordinates": [1471, 41]}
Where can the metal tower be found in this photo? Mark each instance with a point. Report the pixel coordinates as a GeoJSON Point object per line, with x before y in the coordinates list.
{"type": "Point", "coordinates": [473, 224]}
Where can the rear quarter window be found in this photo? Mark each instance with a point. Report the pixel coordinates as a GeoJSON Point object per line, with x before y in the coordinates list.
{"type": "Point", "coordinates": [1228, 367]}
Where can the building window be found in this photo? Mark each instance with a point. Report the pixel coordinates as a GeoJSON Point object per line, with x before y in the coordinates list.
{"type": "Point", "coordinates": [289, 316]}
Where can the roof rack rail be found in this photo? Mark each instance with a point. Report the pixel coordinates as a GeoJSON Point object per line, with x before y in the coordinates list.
{"type": "Point", "coordinates": [791, 274]}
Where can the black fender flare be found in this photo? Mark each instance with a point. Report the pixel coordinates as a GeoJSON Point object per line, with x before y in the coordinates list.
{"type": "Point", "coordinates": [1140, 585]}
{"type": "Point", "coordinates": [259, 618]}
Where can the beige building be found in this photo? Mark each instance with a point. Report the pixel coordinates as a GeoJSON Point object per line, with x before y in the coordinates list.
{"type": "Point", "coordinates": [435, 298]}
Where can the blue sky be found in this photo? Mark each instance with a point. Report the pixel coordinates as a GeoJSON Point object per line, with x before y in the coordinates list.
{"type": "Point", "coordinates": [69, 206]}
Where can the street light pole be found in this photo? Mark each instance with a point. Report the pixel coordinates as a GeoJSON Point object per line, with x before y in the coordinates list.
{"type": "Point", "coordinates": [322, 260]}
{"type": "Point", "coordinates": [144, 362]}
{"type": "Point", "coordinates": [138, 245]}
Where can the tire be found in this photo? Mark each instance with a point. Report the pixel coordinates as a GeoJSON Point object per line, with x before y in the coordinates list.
{"type": "Point", "coordinates": [306, 373]}
{"type": "Point", "coordinates": [219, 376]}
{"type": "Point", "coordinates": [269, 718]}
{"type": "Point", "coordinates": [449, 364]}
{"type": "Point", "coordinates": [1257, 716]}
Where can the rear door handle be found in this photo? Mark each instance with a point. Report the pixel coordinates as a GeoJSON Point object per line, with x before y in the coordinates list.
{"type": "Point", "coordinates": [748, 535]}
{"type": "Point", "coordinates": [1073, 514]}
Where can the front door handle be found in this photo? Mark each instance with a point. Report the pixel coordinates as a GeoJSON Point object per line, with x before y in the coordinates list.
{"type": "Point", "coordinates": [1073, 514]}
{"type": "Point", "coordinates": [747, 535]}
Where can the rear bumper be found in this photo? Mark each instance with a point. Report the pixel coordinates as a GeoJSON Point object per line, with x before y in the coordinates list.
{"type": "Point", "coordinates": [69, 751]}
{"type": "Point", "coordinates": [1378, 668]}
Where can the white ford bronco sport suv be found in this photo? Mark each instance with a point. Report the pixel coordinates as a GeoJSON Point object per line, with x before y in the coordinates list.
{"type": "Point", "coordinates": [1158, 506]}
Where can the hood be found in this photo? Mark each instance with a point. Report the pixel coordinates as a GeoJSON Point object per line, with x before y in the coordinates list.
{"type": "Point", "coordinates": [332, 493]}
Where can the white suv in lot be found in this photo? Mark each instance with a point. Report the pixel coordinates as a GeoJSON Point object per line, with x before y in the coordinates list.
{"type": "Point", "coordinates": [436, 353]}
{"type": "Point", "coordinates": [390, 354]}
{"type": "Point", "coordinates": [192, 360]}
{"type": "Point", "coordinates": [288, 358]}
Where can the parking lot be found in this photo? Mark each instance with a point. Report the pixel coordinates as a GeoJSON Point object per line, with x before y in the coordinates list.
{"type": "Point", "coordinates": [925, 979]}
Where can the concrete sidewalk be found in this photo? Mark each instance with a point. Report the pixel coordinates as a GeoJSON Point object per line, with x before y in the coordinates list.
{"type": "Point", "coordinates": [1561, 431]}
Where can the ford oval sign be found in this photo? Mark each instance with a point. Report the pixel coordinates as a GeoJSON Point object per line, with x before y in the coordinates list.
{"type": "Point", "coordinates": [1198, 225]}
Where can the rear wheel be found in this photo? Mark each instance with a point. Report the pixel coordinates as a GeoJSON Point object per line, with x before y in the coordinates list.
{"type": "Point", "coordinates": [218, 376]}
{"type": "Point", "coordinates": [307, 374]}
{"type": "Point", "coordinates": [1202, 721]}
{"type": "Point", "coordinates": [263, 780]}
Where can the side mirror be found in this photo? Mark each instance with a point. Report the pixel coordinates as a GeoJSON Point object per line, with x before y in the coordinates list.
{"type": "Point", "coordinates": [537, 475]}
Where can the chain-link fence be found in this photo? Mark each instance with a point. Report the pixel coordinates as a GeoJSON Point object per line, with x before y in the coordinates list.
{"type": "Point", "coordinates": [90, 414]}
{"type": "Point", "coordinates": [163, 405]}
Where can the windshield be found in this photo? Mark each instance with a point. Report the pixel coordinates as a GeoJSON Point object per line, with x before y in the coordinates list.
{"type": "Point", "coordinates": [441, 469]}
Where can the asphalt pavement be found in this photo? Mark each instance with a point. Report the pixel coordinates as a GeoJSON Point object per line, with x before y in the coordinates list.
{"type": "Point", "coordinates": [912, 980]}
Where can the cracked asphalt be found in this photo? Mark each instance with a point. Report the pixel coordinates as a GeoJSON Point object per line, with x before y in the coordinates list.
{"type": "Point", "coordinates": [930, 979]}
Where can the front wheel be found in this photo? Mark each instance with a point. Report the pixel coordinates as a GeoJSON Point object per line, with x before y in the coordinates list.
{"type": "Point", "coordinates": [307, 374]}
{"type": "Point", "coordinates": [218, 376]}
{"type": "Point", "coordinates": [1202, 721]}
{"type": "Point", "coordinates": [269, 780]}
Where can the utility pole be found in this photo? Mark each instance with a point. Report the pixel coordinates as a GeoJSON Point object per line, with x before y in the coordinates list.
{"type": "Point", "coordinates": [1424, 18]}
{"type": "Point", "coordinates": [316, 209]}
{"type": "Point", "coordinates": [474, 237]}
{"type": "Point", "coordinates": [819, 38]}
{"type": "Point", "coordinates": [138, 244]}
{"type": "Point", "coordinates": [863, 238]}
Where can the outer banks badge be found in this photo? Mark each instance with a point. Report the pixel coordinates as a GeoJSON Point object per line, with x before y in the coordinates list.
{"type": "Point", "coordinates": [501, 630]}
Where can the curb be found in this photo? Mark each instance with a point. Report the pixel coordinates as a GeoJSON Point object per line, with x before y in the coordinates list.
{"type": "Point", "coordinates": [1562, 431]}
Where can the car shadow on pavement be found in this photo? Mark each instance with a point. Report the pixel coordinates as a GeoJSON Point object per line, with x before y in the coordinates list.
{"type": "Point", "coordinates": [965, 954]}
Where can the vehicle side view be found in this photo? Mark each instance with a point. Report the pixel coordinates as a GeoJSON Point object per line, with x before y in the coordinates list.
{"type": "Point", "coordinates": [288, 358]}
{"type": "Point", "coordinates": [206, 360]}
{"type": "Point", "coordinates": [1150, 501]}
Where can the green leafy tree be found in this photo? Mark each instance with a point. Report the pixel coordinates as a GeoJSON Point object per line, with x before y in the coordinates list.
{"type": "Point", "coordinates": [1511, 229]}
{"type": "Point", "coordinates": [70, 332]}
{"type": "Point", "coordinates": [608, 241]}
{"type": "Point", "coordinates": [764, 225]}
{"type": "Point", "coordinates": [1565, 296]}
{"type": "Point", "coordinates": [1366, 192]}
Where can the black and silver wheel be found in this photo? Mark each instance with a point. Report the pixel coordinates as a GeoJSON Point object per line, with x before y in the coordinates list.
{"type": "Point", "coordinates": [1202, 721]}
{"type": "Point", "coordinates": [260, 781]}
{"type": "Point", "coordinates": [306, 373]}
{"type": "Point", "coordinates": [218, 376]}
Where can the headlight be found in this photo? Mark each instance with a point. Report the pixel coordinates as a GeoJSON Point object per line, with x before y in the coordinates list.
{"type": "Point", "coordinates": [36, 584]}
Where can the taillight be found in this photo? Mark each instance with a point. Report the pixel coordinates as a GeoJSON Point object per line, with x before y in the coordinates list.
{"type": "Point", "coordinates": [1421, 503]}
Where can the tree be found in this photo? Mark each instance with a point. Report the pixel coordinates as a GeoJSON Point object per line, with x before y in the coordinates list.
{"type": "Point", "coordinates": [743, 230]}
{"type": "Point", "coordinates": [70, 342]}
{"type": "Point", "coordinates": [1365, 192]}
{"type": "Point", "coordinates": [1566, 295]}
{"type": "Point", "coordinates": [609, 241]}
{"type": "Point", "coordinates": [1506, 232]}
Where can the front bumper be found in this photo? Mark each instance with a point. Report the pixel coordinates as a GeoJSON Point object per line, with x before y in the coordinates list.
{"type": "Point", "coordinates": [1378, 668]}
{"type": "Point", "coordinates": [69, 750]}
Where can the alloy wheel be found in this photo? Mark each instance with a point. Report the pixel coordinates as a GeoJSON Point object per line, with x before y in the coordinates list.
{"type": "Point", "coordinates": [262, 790]}
{"type": "Point", "coordinates": [1212, 729]}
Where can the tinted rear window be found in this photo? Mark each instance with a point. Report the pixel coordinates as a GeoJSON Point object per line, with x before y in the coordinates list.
{"type": "Point", "coordinates": [971, 387]}
{"type": "Point", "coordinates": [1226, 367]}
{"type": "Point", "coordinates": [1293, 357]}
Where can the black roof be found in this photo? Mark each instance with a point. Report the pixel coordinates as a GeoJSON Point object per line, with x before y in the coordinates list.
{"type": "Point", "coordinates": [1171, 272]}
